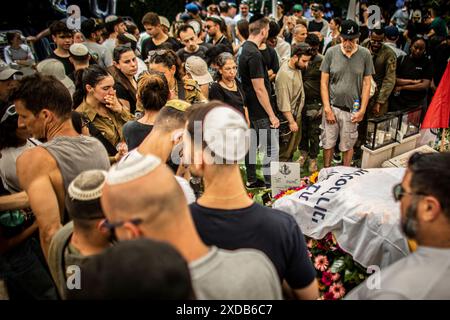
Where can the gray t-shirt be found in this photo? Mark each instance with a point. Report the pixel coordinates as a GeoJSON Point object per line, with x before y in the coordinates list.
{"type": "Point", "coordinates": [346, 74]}
{"type": "Point", "coordinates": [243, 274]}
{"type": "Point", "coordinates": [424, 274]}
{"type": "Point", "coordinates": [100, 53]}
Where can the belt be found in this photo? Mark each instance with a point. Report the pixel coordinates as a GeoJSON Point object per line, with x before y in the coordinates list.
{"type": "Point", "coordinates": [343, 108]}
{"type": "Point", "coordinates": [313, 101]}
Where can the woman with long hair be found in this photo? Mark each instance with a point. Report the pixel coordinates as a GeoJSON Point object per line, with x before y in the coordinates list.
{"type": "Point", "coordinates": [167, 62]}
{"type": "Point", "coordinates": [152, 94]}
{"type": "Point", "coordinates": [332, 37]}
{"type": "Point", "coordinates": [96, 99]}
{"type": "Point", "coordinates": [123, 70]}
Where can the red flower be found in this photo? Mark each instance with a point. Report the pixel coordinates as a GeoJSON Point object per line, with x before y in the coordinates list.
{"type": "Point", "coordinates": [328, 296]}
{"type": "Point", "coordinates": [335, 277]}
{"type": "Point", "coordinates": [327, 278]}
{"type": "Point", "coordinates": [338, 290]}
{"type": "Point", "coordinates": [321, 263]}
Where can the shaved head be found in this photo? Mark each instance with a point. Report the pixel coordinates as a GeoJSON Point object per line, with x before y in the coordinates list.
{"type": "Point", "coordinates": [155, 196]}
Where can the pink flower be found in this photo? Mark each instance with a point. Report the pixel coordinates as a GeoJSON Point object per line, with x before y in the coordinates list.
{"type": "Point", "coordinates": [321, 263]}
{"type": "Point", "coordinates": [335, 277]}
{"type": "Point", "coordinates": [338, 290]}
{"type": "Point", "coordinates": [327, 278]}
{"type": "Point", "coordinates": [310, 244]}
{"type": "Point", "coordinates": [329, 296]}
{"type": "Point", "coordinates": [309, 254]}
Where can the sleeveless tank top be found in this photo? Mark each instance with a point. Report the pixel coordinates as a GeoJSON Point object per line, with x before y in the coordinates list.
{"type": "Point", "coordinates": [75, 155]}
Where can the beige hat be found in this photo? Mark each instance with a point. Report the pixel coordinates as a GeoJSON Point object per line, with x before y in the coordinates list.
{"type": "Point", "coordinates": [164, 21]}
{"type": "Point", "coordinates": [7, 72]}
{"type": "Point", "coordinates": [198, 69]}
{"type": "Point", "coordinates": [53, 67]}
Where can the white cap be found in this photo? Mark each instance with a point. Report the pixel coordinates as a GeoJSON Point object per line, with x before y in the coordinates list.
{"type": "Point", "coordinates": [226, 133]}
{"type": "Point", "coordinates": [132, 169]}
{"type": "Point", "coordinates": [53, 67]}
{"type": "Point", "coordinates": [96, 178]}
{"type": "Point", "coordinates": [78, 50]}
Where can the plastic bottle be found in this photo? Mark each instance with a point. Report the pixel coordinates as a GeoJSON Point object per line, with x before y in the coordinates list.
{"type": "Point", "coordinates": [356, 106]}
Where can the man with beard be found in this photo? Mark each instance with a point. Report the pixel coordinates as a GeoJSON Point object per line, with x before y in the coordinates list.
{"type": "Point", "coordinates": [291, 97]}
{"type": "Point", "coordinates": [312, 112]}
{"type": "Point", "coordinates": [346, 78]}
{"type": "Point", "coordinates": [425, 217]}
{"type": "Point", "coordinates": [385, 64]}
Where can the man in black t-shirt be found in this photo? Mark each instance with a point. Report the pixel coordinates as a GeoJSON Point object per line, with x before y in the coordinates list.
{"type": "Point", "coordinates": [224, 215]}
{"type": "Point", "coordinates": [158, 39]}
{"type": "Point", "coordinates": [215, 27]}
{"type": "Point", "coordinates": [63, 38]}
{"type": "Point", "coordinates": [188, 38]}
{"type": "Point", "coordinates": [256, 83]}
{"type": "Point", "coordinates": [318, 26]}
{"type": "Point", "coordinates": [414, 74]}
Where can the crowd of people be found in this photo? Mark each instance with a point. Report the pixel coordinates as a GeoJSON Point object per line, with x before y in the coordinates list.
{"type": "Point", "coordinates": [102, 166]}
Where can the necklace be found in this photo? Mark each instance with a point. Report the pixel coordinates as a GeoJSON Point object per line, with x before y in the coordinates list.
{"type": "Point", "coordinates": [233, 83]}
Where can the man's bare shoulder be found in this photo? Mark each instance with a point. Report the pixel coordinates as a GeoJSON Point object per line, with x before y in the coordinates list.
{"type": "Point", "coordinates": [36, 160]}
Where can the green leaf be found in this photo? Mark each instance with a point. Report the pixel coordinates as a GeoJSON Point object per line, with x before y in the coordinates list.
{"type": "Point", "coordinates": [338, 265]}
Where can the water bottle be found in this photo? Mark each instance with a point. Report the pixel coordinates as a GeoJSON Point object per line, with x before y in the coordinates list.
{"type": "Point", "coordinates": [356, 106]}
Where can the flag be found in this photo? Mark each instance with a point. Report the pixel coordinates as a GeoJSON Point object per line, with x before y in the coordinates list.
{"type": "Point", "coordinates": [438, 113]}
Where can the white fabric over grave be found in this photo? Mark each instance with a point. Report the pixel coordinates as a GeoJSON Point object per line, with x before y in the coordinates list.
{"type": "Point", "coordinates": [358, 207]}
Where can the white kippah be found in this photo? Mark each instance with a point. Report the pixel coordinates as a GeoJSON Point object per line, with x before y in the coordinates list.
{"type": "Point", "coordinates": [130, 170]}
{"type": "Point", "coordinates": [87, 185]}
{"type": "Point", "coordinates": [226, 133]}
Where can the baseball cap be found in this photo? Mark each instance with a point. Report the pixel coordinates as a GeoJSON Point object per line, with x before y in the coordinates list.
{"type": "Point", "coordinates": [297, 7]}
{"type": "Point", "coordinates": [226, 133]}
{"type": "Point", "coordinates": [232, 4]}
{"type": "Point", "coordinates": [78, 50]}
{"type": "Point", "coordinates": [198, 69]}
{"type": "Point", "coordinates": [7, 72]}
{"type": "Point", "coordinates": [192, 8]}
{"type": "Point", "coordinates": [164, 21]}
{"type": "Point", "coordinates": [53, 67]}
{"type": "Point", "coordinates": [132, 169]}
{"type": "Point", "coordinates": [349, 29]}
{"type": "Point", "coordinates": [391, 32]}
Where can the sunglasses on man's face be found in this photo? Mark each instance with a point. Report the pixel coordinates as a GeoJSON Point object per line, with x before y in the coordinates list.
{"type": "Point", "coordinates": [399, 192]}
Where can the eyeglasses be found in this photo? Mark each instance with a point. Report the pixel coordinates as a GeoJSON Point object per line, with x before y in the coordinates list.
{"type": "Point", "coordinates": [398, 192]}
{"type": "Point", "coordinates": [113, 225]}
{"type": "Point", "coordinates": [208, 27]}
{"type": "Point", "coordinates": [11, 111]}
{"type": "Point", "coordinates": [154, 53]}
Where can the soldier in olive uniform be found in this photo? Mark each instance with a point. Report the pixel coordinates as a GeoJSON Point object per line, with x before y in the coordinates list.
{"type": "Point", "coordinates": [312, 111]}
{"type": "Point", "coordinates": [385, 63]}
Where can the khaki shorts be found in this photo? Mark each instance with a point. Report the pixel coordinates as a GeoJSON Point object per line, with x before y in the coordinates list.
{"type": "Point", "coordinates": [343, 128]}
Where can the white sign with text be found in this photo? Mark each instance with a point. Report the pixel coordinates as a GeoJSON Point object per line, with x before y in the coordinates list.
{"type": "Point", "coordinates": [284, 175]}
